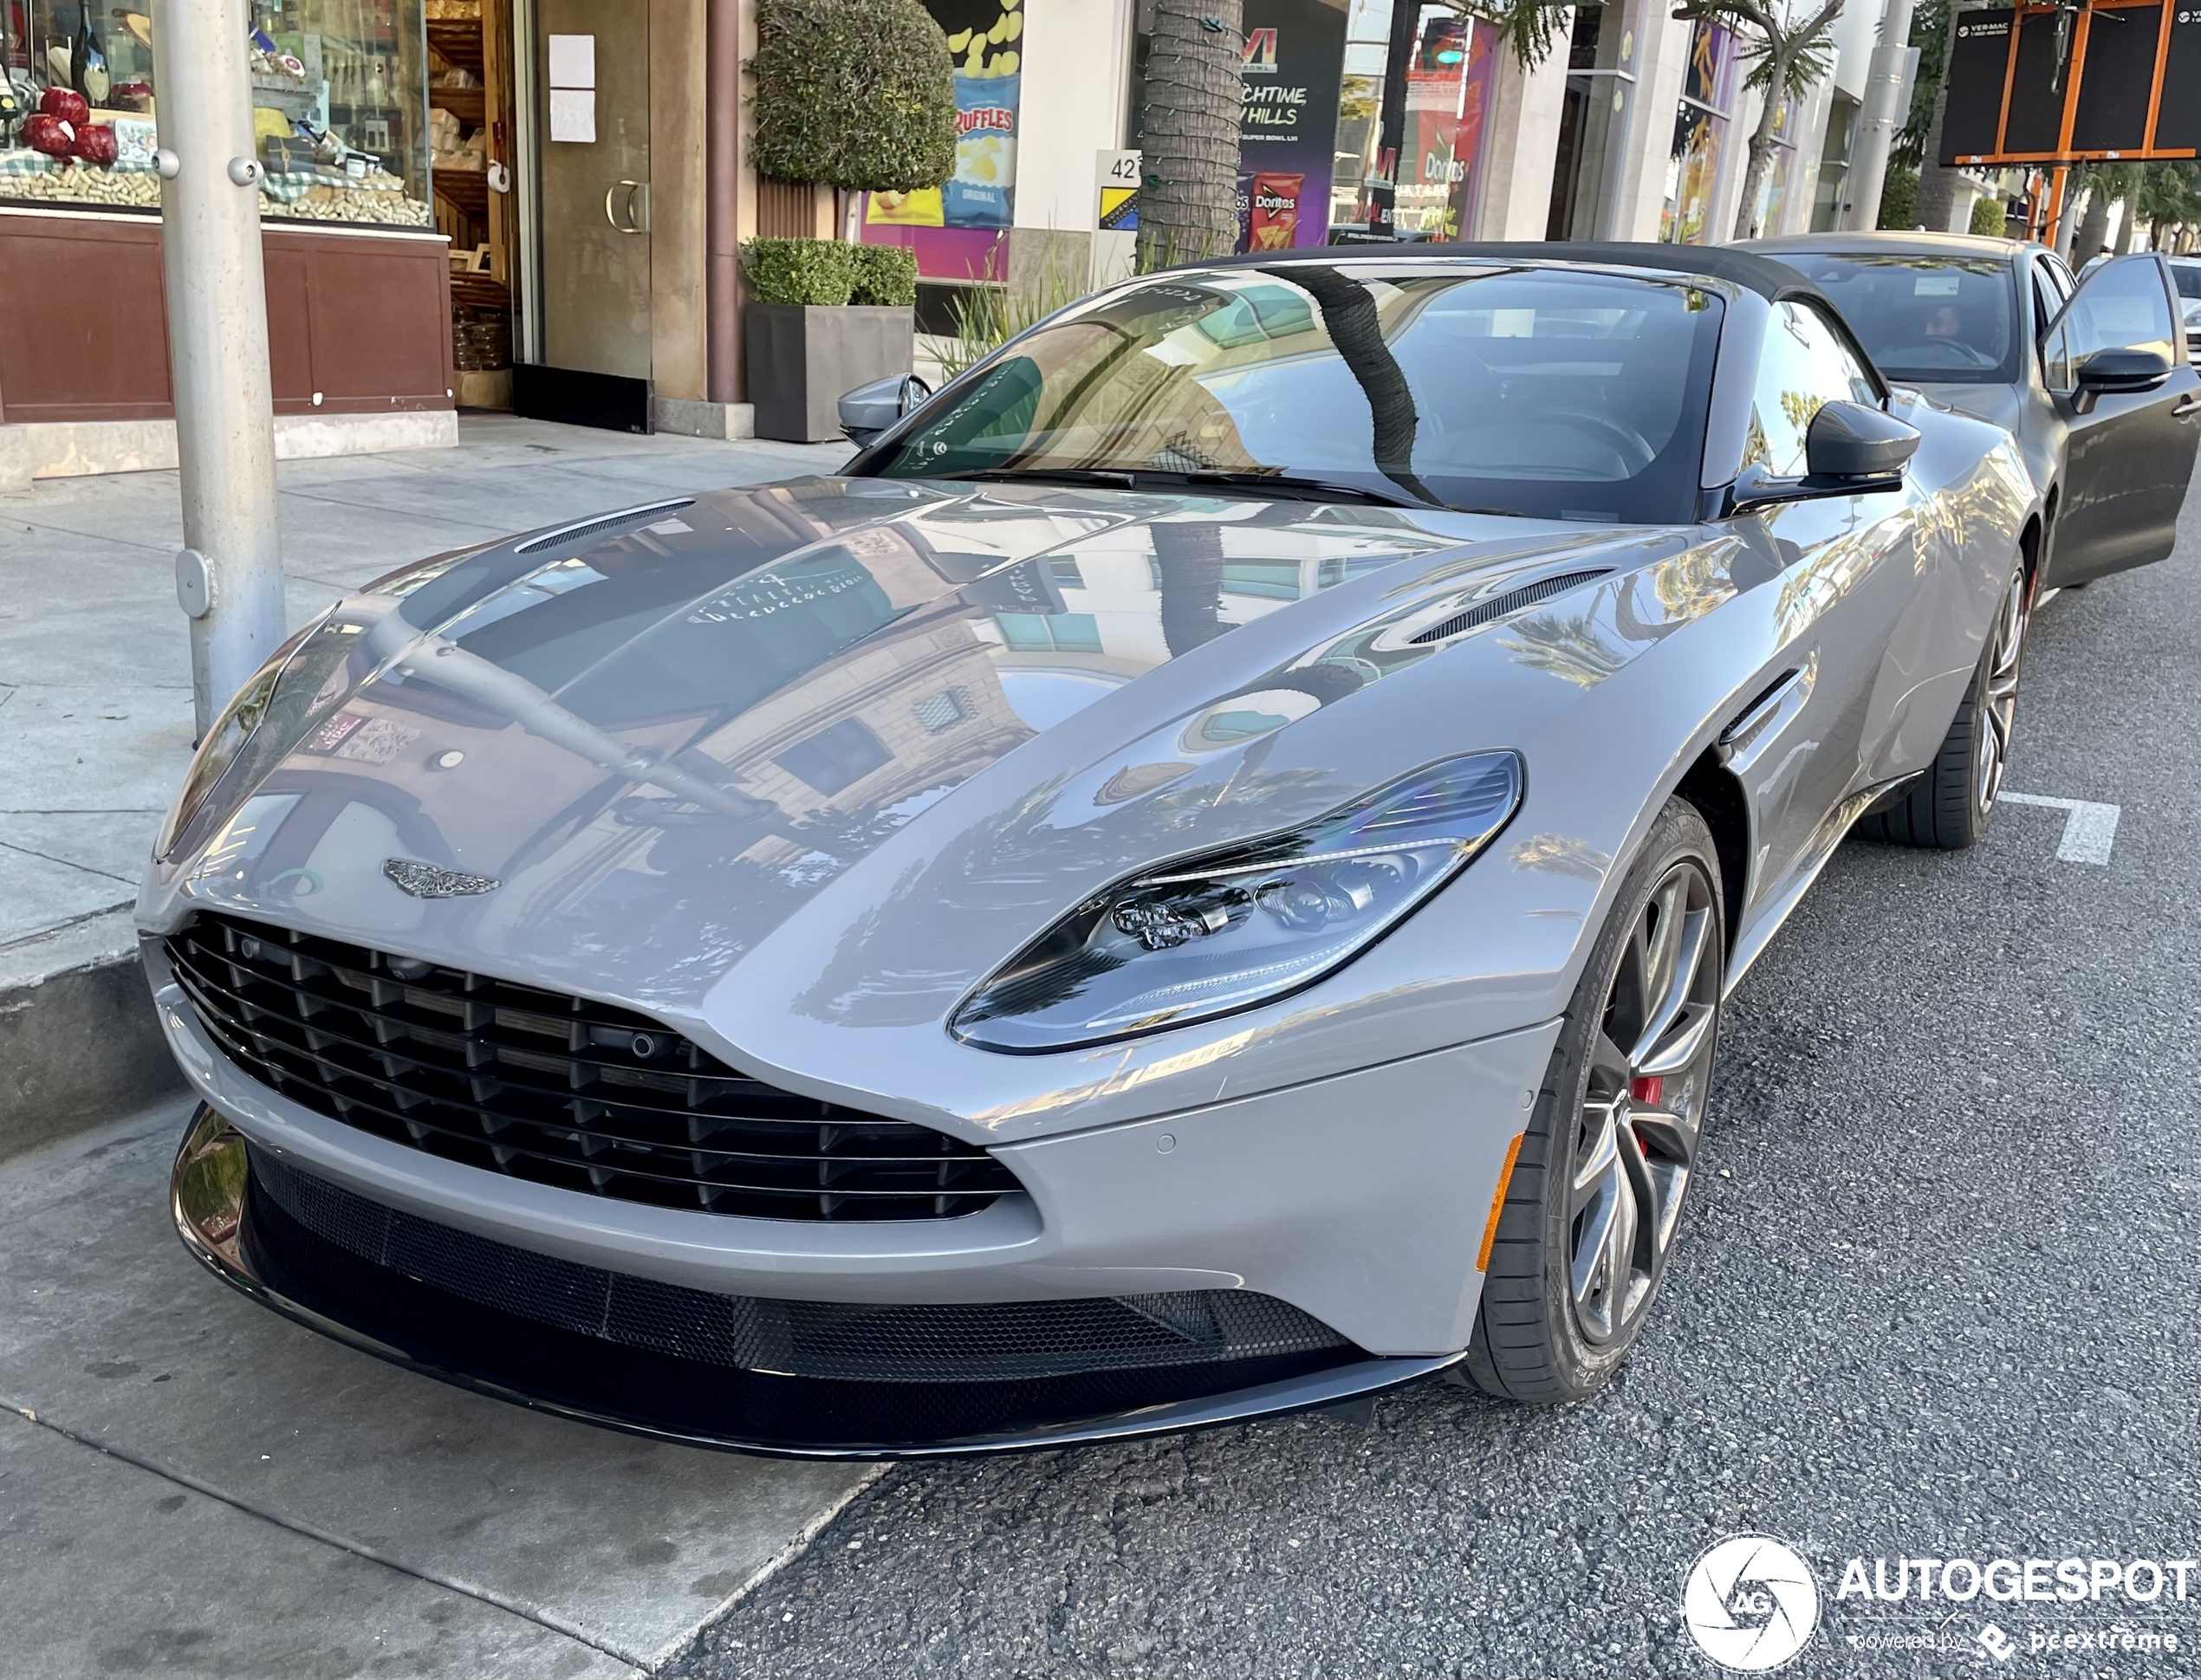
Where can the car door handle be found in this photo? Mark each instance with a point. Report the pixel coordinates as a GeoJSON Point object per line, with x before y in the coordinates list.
{"type": "Point", "coordinates": [2189, 407]}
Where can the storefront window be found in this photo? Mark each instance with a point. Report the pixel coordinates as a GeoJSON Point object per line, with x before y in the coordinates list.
{"type": "Point", "coordinates": [1833, 163]}
{"type": "Point", "coordinates": [1414, 94]}
{"type": "Point", "coordinates": [339, 108]}
{"type": "Point", "coordinates": [1593, 123]}
{"type": "Point", "coordinates": [1699, 136]}
{"type": "Point", "coordinates": [1448, 94]}
{"type": "Point", "coordinates": [1362, 176]}
{"type": "Point", "coordinates": [1772, 195]}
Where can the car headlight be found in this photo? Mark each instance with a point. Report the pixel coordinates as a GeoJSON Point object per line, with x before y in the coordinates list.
{"type": "Point", "coordinates": [1246, 924]}
{"type": "Point", "coordinates": [272, 690]}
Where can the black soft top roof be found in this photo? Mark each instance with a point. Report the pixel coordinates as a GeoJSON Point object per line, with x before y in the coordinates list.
{"type": "Point", "coordinates": [1743, 268]}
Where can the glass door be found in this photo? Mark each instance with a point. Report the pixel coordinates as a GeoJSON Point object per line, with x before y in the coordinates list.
{"type": "Point", "coordinates": [592, 214]}
{"type": "Point", "coordinates": [1593, 123]}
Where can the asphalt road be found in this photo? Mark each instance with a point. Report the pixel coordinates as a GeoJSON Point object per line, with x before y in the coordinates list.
{"type": "Point", "coordinates": [1935, 1298]}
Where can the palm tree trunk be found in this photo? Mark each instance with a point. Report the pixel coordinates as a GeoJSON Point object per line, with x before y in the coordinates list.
{"type": "Point", "coordinates": [1937, 187]}
{"type": "Point", "coordinates": [2094, 226]}
{"type": "Point", "coordinates": [1191, 556]}
{"type": "Point", "coordinates": [1760, 151]}
{"type": "Point", "coordinates": [1349, 316]}
{"type": "Point", "coordinates": [1188, 193]}
{"type": "Point", "coordinates": [2067, 222]}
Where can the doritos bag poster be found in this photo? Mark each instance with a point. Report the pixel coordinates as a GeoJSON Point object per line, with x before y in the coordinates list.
{"type": "Point", "coordinates": [1288, 121]}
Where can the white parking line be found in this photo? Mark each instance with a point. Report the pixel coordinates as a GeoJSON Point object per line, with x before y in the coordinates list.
{"type": "Point", "coordinates": [2088, 832]}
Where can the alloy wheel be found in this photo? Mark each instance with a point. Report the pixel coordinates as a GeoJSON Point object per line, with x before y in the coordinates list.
{"type": "Point", "coordinates": [1998, 692]}
{"type": "Point", "coordinates": [1642, 1108]}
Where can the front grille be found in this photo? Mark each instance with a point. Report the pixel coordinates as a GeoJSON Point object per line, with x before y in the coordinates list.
{"type": "Point", "coordinates": [1004, 1341]}
{"type": "Point", "coordinates": [557, 1090]}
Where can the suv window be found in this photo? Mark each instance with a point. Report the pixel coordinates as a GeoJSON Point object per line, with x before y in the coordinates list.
{"type": "Point", "coordinates": [1804, 366]}
{"type": "Point", "coordinates": [2046, 300]}
{"type": "Point", "coordinates": [2122, 307]}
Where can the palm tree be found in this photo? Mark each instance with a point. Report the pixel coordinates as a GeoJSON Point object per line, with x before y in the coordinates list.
{"type": "Point", "coordinates": [1188, 188]}
{"type": "Point", "coordinates": [1937, 186]}
{"type": "Point", "coordinates": [1788, 60]}
{"type": "Point", "coordinates": [2106, 183]}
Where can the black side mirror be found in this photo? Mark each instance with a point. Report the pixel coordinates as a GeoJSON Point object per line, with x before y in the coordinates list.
{"type": "Point", "coordinates": [2122, 370]}
{"type": "Point", "coordinates": [870, 409]}
{"type": "Point", "coordinates": [1849, 449]}
{"type": "Point", "coordinates": [1849, 440]}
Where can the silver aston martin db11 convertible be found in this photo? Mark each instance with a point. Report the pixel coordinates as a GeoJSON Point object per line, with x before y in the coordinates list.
{"type": "Point", "coordinates": [1196, 878]}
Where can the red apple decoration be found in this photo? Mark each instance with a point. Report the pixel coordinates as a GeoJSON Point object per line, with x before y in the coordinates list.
{"type": "Point", "coordinates": [96, 144]}
{"type": "Point", "coordinates": [46, 133]}
{"type": "Point", "coordinates": [65, 103]}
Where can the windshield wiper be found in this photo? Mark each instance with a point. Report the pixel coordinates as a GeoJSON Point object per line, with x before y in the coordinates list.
{"type": "Point", "coordinates": [1106, 478]}
{"type": "Point", "coordinates": [1288, 484]}
{"type": "Point", "coordinates": [1126, 478]}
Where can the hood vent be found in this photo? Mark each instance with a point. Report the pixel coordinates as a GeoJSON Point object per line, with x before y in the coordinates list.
{"type": "Point", "coordinates": [597, 526]}
{"type": "Point", "coordinates": [1512, 602]}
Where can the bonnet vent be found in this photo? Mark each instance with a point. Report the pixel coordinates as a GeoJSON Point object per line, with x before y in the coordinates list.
{"type": "Point", "coordinates": [1512, 602]}
{"type": "Point", "coordinates": [598, 526]}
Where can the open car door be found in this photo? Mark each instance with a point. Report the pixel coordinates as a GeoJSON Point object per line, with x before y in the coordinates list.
{"type": "Point", "coordinates": [2115, 358]}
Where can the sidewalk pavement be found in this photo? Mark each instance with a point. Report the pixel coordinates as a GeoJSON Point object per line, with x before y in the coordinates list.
{"type": "Point", "coordinates": [190, 1485]}
{"type": "Point", "coordinates": [95, 708]}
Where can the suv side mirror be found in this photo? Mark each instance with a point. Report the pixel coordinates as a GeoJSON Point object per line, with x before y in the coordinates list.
{"type": "Point", "coordinates": [870, 409]}
{"type": "Point", "coordinates": [2111, 371]}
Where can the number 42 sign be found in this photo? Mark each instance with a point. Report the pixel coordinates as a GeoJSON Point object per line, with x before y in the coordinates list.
{"type": "Point", "coordinates": [1116, 189]}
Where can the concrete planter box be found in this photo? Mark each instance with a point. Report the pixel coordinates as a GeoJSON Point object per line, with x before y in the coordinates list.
{"type": "Point", "coordinates": [802, 357]}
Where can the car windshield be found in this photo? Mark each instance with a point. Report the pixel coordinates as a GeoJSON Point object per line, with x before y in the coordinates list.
{"type": "Point", "coordinates": [1926, 320]}
{"type": "Point", "coordinates": [1554, 393]}
{"type": "Point", "coordinates": [2188, 276]}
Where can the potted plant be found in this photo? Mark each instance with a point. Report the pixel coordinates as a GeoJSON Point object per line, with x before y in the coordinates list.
{"type": "Point", "coordinates": [860, 97]}
{"type": "Point", "coordinates": [823, 318]}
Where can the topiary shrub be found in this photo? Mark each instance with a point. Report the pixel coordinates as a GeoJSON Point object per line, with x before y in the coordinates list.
{"type": "Point", "coordinates": [854, 94]}
{"type": "Point", "coordinates": [1987, 216]}
{"type": "Point", "coordinates": [885, 274]}
{"type": "Point", "coordinates": [1899, 199]}
{"type": "Point", "coordinates": [814, 271]}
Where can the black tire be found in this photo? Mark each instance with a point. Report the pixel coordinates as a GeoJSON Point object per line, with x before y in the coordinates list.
{"type": "Point", "coordinates": [1541, 1336]}
{"type": "Point", "coordinates": [1949, 807]}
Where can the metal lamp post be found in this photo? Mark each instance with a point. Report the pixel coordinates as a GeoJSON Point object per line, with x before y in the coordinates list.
{"type": "Point", "coordinates": [1887, 93]}
{"type": "Point", "coordinates": [229, 576]}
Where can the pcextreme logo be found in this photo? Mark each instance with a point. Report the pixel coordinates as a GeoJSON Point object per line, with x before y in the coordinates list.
{"type": "Point", "coordinates": [1750, 1604]}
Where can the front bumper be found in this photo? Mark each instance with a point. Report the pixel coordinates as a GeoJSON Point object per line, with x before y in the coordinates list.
{"type": "Point", "coordinates": [235, 1224]}
{"type": "Point", "coordinates": [1352, 1204]}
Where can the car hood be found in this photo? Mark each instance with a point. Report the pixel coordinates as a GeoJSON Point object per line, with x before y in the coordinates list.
{"type": "Point", "coordinates": [1997, 405]}
{"type": "Point", "coordinates": [922, 719]}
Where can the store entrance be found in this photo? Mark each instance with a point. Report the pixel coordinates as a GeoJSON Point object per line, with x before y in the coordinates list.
{"type": "Point", "coordinates": [592, 130]}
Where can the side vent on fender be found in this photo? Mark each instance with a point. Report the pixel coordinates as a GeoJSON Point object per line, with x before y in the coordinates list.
{"type": "Point", "coordinates": [1512, 602]}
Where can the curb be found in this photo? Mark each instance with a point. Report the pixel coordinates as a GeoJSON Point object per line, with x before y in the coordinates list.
{"type": "Point", "coordinates": [79, 1044]}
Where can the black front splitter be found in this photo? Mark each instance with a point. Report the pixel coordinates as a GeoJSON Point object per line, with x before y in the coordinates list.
{"type": "Point", "coordinates": [210, 1201]}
